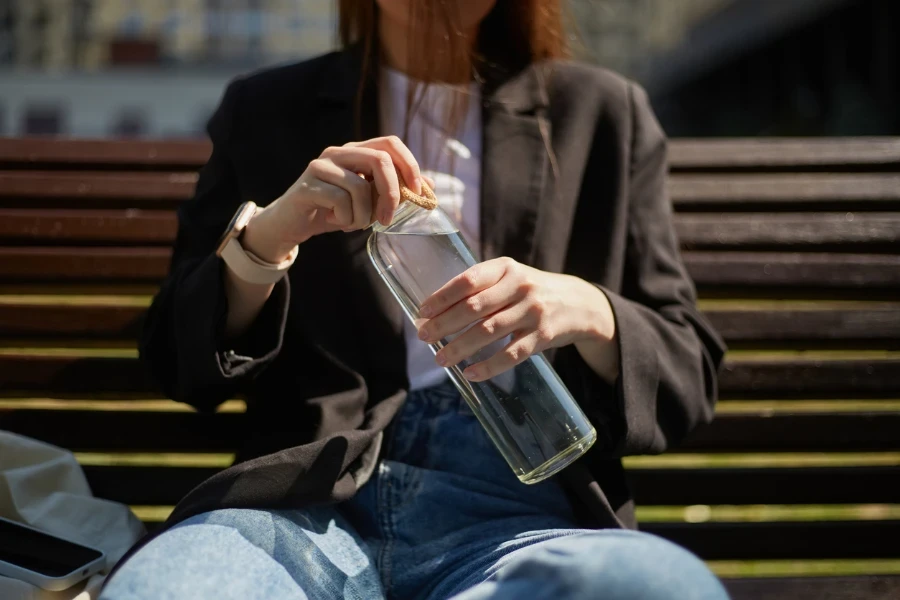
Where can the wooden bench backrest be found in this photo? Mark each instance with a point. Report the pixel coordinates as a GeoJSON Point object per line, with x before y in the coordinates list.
{"type": "Point", "coordinates": [794, 246]}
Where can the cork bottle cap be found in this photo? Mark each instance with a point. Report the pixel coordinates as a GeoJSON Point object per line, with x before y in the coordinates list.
{"type": "Point", "coordinates": [426, 200]}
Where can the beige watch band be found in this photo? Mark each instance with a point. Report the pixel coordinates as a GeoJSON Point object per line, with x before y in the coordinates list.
{"type": "Point", "coordinates": [253, 269]}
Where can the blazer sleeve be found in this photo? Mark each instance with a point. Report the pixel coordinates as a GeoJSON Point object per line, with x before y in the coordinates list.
{"type": "Point", "coordinates": [182, 341]}
{"type": "Point", "coordinates": [669, 354]}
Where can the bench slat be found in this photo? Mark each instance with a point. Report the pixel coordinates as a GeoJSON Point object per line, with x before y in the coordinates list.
{"type": "Point", "coordinates": [788, 231]}
{"type": "Point", "coordinates": [709, 269]}
{"type": "Point", "coordinates": [740, 231]}
{"type": "Point", "coordinates": [107, 322]}
{"type": "Point", "coordinates": [797, 433]}
{"type": "Point", "coordinates": [112, 322]}
{"type": "Point", "coordinates": [131, 431]}
{"type": "Point", "coordinates": [667, 487]}
{"type": "Point", "coordinates": [185, 431]}
{"type": "Point", "coordinates": [742, 153]}
{"type": "Point", "coordinates": [726, 486]}
{"type": "Point", "coordinates": [871, 587]}
{"type": "Point", "coordinates": [72, 375]}
{"type": "Point", "coordinates": [55, 226]}
{"type": "Point", "coordinates": [774, 541]}
{"type": "Point", "coordinates": [868, 324]}
{"type": "Point", "coordinates": [684, 153]}
{"type": "Point", "coordinates": [804, 378]}
{"type": "Point", "coordinates": [103, 153]}
{"type": "Point", "coordinates": [139, 264]}
{"type": "Point", "coordinates": [75, 376]}
{"type": "Point", "coordinates": [123, 186]}
{"type": "Point", "coordinates": [793, 270]}
{"type": "Point", "coordinates": [807, 191]}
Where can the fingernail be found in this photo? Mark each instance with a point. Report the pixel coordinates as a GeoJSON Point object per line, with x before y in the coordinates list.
{"type": "Point", "coordinates": [470, 373]}
{"type": "Point", "coordinates": [423, 334]}
{"type": "Point", "coordinates": [425, 311]}
{"type": "Point", "coordinates": [441, 360]}
{"type": "Point", "coordinates": [386, 218]}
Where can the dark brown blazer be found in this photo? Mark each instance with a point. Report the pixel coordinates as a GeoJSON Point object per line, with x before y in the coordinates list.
{"type": "Point", "coordinates": [573, 180]}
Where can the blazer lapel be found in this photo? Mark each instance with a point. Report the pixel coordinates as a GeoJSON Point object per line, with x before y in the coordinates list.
{"type": "Point", "coordinates": [517, 185]}
{"type": "Point", "coordinates": [517, 181]}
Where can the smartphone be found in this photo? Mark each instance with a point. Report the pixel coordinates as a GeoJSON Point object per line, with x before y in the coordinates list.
{"type": "Point", "coordinates": [44, 560]}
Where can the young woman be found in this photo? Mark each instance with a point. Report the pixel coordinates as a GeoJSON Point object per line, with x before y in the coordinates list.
{"type": "Point", "coordinates": [362, 473]}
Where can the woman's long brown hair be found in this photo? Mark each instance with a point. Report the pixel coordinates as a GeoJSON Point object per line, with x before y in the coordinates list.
{"type": "Point", "coordinates": [514, 34]}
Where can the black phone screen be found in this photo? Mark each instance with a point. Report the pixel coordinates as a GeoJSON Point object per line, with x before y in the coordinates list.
{"type": "Point", "coordinates": [41, 552]}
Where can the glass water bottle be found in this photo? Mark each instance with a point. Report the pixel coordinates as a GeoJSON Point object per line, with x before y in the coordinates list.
{"type": "Point", "coordinates": [528, 413]}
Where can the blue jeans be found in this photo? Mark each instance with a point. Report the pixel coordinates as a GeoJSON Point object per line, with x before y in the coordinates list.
{"type": "Point", "coordinates": [443, 517]}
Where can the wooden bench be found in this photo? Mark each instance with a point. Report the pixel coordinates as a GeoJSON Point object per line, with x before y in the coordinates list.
{"type": "Point", "coordinates": [794, 246]}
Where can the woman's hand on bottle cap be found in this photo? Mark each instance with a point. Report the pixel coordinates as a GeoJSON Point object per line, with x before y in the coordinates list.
{"type": "Point", "coordinates": [345, 189]}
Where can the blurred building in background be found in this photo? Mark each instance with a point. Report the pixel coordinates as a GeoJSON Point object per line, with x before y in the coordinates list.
{"type": "Point", "coordinates": [713, 67]}
{"type": "Point", "coordinates": [141, 67]}
{"type": "Point", "coordinates": [97, 34]}
{"type": "Point", "coordinates": [622, 34]}
{"type": "Point", "coordinates": [782, 68]}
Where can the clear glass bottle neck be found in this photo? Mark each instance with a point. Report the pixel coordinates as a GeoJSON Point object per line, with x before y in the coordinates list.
{"type": "Point", "coordinates": [404, 212]}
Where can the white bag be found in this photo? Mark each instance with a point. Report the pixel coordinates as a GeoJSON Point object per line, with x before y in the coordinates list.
{"type": "Point", "coordinates": [43, 486]}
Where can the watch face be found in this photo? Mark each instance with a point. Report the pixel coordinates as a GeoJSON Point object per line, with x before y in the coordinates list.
{"type": "Point", "coordinates": [236, 226]}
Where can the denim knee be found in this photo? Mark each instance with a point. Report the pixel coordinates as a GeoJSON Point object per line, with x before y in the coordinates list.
{"type": "Point", "coordinates": [618, 565]}
{"type": "Point", "coordinates": [205, 559]}
{"type": "Point", "coordinates": [256, 526]}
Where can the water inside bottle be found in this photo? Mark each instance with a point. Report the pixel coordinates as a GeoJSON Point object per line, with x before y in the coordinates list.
{"type": "Point", "coordinates": [523, 410]}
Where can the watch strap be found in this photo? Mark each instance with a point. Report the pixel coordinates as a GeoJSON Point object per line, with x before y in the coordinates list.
{"type": "Point", "coordinates": [252, 269]}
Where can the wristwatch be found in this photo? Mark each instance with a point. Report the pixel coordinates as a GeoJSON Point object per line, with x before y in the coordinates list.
{"type": "Point", "coordinates": [245, 265]}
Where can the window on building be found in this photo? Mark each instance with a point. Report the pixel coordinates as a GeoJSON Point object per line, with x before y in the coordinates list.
{"type": "Point", "coordinates": [131, 123]}
{"type": "Point", "coordinates": [43, 119]}
{"type": "Point", "coordinates": [37, 31]}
